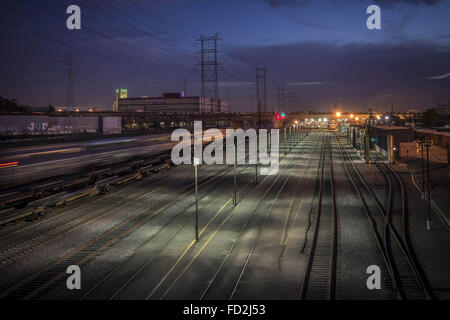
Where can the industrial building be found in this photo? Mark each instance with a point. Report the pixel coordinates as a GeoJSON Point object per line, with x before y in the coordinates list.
{"type": "Point", "coordinates": [168, 103]}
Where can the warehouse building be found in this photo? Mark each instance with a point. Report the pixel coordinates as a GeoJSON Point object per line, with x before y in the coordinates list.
{"type": "Point", "coordinates": [168, 103]}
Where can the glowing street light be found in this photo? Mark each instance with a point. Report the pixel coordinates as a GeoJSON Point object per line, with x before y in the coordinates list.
{"type": "Point", "coordinates": [338, 114]}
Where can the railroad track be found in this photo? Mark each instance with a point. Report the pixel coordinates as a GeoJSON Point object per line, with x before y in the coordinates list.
{"type": "Point", "coordinates": [21, 229]}
{"type": "Point", "coordinates": [320, 276]}
{"type": "Point", "coordinates": [411, 280]}
{"type": "Point", "coordinates": [36, 283]}
{"type": "Point", "coordinates": [206, 291]}
{"type": "Point", "coordinates": [372, 222]}
{"type": "Point", "coordinates": [161, 247]}
{"type": "Point", "coordinates": [407, 278]}
{"type": "Point", "coordinates": [20, 249]}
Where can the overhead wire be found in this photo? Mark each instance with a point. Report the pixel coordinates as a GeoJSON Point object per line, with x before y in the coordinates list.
{"type": "Point", "coordinates": [155, 66]}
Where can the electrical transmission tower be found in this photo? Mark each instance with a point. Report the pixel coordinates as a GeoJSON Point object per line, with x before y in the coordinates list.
{"type": "Point", "coordinates": [290, 101]}
{"type": "Point", "coordinates": [281, 100]}
{"type": "Point", "coordinates": [261, 90]}
{"type": "Point", "coordinates": [209, 64]}
{"type": "Point", "coordinates": [184, 86]}
{"type": "Point", "coordinates": [70, 99]}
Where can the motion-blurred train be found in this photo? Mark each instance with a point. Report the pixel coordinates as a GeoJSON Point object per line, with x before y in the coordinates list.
{"type": "Point", "coordinates": [73, 158]}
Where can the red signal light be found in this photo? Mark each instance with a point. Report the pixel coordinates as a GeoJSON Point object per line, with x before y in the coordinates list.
{"type": "Point", "coordinates": [277, 116]}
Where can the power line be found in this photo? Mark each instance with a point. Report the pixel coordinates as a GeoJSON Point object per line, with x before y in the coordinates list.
{"type": "Point", "coordinates": [127, 45]}
{"type": "Point", "coordinates": [66, 44]}
{"type": "Point", "coordinates": [99, 10]}
{"type": "Point", "coordinates": [160, 20]}
{"type": "Point", "coordinates": [138, 29]}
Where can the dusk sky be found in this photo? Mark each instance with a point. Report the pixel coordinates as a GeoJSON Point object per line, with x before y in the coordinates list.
{"type": "Point", "coordinates": [320, 50]}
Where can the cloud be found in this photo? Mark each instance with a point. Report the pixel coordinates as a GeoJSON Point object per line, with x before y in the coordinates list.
{"type": "Point", "coordinates": [287, 3]}
{"type": "Point", "coordinates": [391, 3]}
{"type": "Point", "coordinates": [360, 73]}
{"type": "Point", "coordinates": [383, 3]}
{"type": "Point", "coordinates": [443, 76]}
{"type": "Point", "coordinates": [236, 83]}
{"type": "Point", "coordinates": [305, 83]}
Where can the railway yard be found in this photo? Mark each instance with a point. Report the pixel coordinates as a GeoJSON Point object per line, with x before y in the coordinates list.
{"type": "Point", "coordinates": [309, 232]}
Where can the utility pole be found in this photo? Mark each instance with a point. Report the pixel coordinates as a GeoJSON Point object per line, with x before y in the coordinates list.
{"type": "Point", "coordinates": [209, 64]}
{"type": "Point", "coordinates": [428, 188]}
{"type": "Point", "coordinates": [235, 173]}
{"type": "Point", "coordinates": [261, 90]}
{"type": "Point", "coordinates": [261, 102]}
{"type": "Point", "coordinates": [196, 163]}
{"type": "Point", "coordinates": [423, 169]}
{"type": "Point", "coordinates": [184, 86]}
{"type": "Point", "coordinates": [281, 97]}
{"type": "Point", "coordinates": [290, 101]}
{"type": "Point", "coordinates": [70, 99]}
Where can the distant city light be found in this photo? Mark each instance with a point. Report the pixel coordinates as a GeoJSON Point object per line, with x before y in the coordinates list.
{"type": "Point", "coordinates": [351, 116]}
{"type": "Point", "coordinates": [338, 114]}
{"type": "Point", "coordinates": [387, 118]}
{"type": "Point", "coordinates": [357, 118]}
{"type": "Point", "coordinates": [77, 110]}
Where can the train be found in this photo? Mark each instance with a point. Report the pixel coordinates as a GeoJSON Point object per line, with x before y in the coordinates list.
{"type": "Point", "coordinates": [85, 157]}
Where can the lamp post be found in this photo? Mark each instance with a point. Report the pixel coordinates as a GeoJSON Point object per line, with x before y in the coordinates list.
{"type": "Point", "coordinates": [290, 138]}
{"type": "Point", "coordinates": [428, 188]}
{"type": "Point", "coordinates": [423, 171]}
{"type": "Point", "coordinates": [235, 174]}
{"type": "Point", "coordinates": [196, 163]}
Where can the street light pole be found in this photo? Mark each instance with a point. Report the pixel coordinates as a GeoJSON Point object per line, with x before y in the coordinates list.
{"type": "Point", "coordinates": [196, 162]}
{"type": "Point", "coordinates": [428, 189]}
{"type": "Point", "coordinates": [285, 147]}
{"type": "Point", "coordinates": [235, 173]}
{"type": "Point", "coordinates": [423, 172]}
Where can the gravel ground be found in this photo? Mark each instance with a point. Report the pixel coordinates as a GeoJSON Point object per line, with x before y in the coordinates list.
{"type": "Point", "coordinates": [256, 244]}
